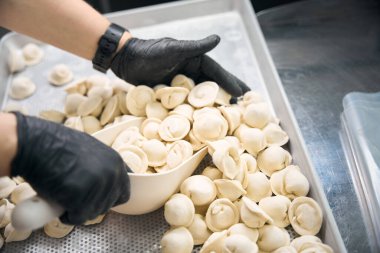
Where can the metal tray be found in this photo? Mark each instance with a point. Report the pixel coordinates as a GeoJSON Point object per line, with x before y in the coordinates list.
{"type": "Point", "coordinates": [242, 51]}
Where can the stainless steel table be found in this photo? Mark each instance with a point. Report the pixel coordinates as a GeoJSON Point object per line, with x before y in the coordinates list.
{"type": "Point", "coordinates": [323, 50]}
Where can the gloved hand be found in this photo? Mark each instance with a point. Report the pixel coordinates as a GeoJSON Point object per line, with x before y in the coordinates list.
{"type": "Point", "coordinates": [71, 168]}
{"type": "Point", "coordinates": [157, 61]}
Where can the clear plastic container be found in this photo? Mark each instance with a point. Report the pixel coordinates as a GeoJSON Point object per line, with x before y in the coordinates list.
{"type": "Point", "coordinates": [361, 141]}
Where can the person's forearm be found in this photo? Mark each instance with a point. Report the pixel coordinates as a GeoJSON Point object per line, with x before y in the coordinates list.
{"type": "Point", "coordinates": [71, 25]}
{"type": "Point", "coordinates": [8, 142]}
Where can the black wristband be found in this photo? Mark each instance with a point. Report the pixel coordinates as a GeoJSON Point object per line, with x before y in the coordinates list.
{"type": "Point", "coordinates": [107, 47]}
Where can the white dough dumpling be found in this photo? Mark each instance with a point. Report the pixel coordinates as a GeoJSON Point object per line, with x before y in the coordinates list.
{"type": "Point", "coordinates": [272, 238]}
{"type": "Point", "coordinates": [230, 189]}
{"type": "Point", "coordinates": [212, 173]}
{"type": "Point", "coordinates": [22, 192]}
{"type": "Point", "coordinates": [258, 186]}
{"type": "Point", "coordinates": [178, 152]}
{"type": "Point", "coordinates": [289, 182]}
{"type": "Point", "coordinates": [156, 152]}
{"type": "Point", "coordinates": [203, 94]}
{"type": "Point", "coordinates": [251, 97]}
{"type": "Point", "coordinates": [56, 229]}
{"type": "Point", "coordinates": [182, 81]}
{"type": "Point", "coordinates": [310, 243]}
{"type": "Point", "coordinates": [21, 88]}
{"type": "Point", "coordinates": [239, 244]}
{"type": "Point", "coordinates": [6, 209]}
{"type": "Point", "coordinates": [60, 75]}
{"type": "Point", "coordinates": [72, 103]}
{"type": "Point", "coordinates": [274, 135]}
{"type": "Point", "coordinates": [285, 249]}
{"type": "Point", "coordinates": [184, 110]}
{"type": "Point", "coordinates": [200, 189]}
{"type": "Point", "coordinates": [227, 160]}
{"type": "Point", "coordinates": [214, 243]}
{"type": "Point", "coordinates": [177, 240]}
{"type": "Point", "coordinates": [53, 115]}
{"type": "Point", "coordinates": [233, 116]}
{"type": "Point", "coordinates": [134, 157]}
{"type": "Point", "coordinates": [242, 229]}
{"type": "Point", "coordinates": [252, 215]}
{"type": "Point", "coordinates": [305, 216]}
{"type": "Point", "coordinates": [249, 161]}
{"type": "Point", "coordinates": [13, 235]}
{"type": "Point", "coordinates": [149, 128]}
{"type": "Point", "coordinates": [257, 115]}
{"type": "Point", "coordinates": [199, 230]}
{"type": "Point", "coordinates": [221, 215]}
{"type": "Point", "coordinates": [174, 128]}
{"type": "Point", "coordinates": [32, 53]}
{"type": "Point", "coordinates": [91, 124]}
{"type": "Point", "coordinates": [171, 97]}
{"type": "Point", "coordinates": [130, 136]}
{"type": "Point", "coordinates": [252, 139]}
{"type": "Point", "coordinates": [179, 210]}
{"type": "Point", "coordinates": [138, 98]}
{"type": "Point", "coordinates": [74, 123]}
{"type": "Point", "coordinates": [277, 208]}
{"type": "Point", "coordinates": [16, 61]}
{"type": "Point", "coordinates": [273, 159]}
{"type": "Point", "coordinates": [7, 185]}
{"type": "Point", "coordinates": [156, 110]}
{"type": "Point", "coordinates": [209, 126]}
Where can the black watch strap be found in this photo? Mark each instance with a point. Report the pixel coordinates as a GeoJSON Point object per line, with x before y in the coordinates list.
{"type": "Point", "coordinates": [107, 47]}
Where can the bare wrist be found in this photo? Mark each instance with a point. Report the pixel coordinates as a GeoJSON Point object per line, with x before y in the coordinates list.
{"type": "Point", "coordinates": [8, 140]}
{"type": "Point", "coordinates": [126, 36]}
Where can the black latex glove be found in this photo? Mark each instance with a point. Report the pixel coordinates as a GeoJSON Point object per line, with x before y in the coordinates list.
{"type": "Point", "coordinates": [152, 62]}
{"type": "Point", "coordinates": [71, 168]}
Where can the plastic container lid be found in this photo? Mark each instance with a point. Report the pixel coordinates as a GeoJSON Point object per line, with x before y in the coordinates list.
{"type": "Point", "coordinates": [361, 141]}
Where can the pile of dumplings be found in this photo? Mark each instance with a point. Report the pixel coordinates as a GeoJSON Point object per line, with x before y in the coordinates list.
{"type": "Point", "coordinates": [245, 202]}
{"type": "Point", "coordinates": [15, 190]}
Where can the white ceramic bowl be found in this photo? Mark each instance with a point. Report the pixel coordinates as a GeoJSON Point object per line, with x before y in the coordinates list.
{"type": "Point", "coordinates": [149, 192]}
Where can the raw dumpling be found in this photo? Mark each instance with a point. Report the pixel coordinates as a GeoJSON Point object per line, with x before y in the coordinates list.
{"type": "Point", "coordinates": [6, 209]}
{"type": "Point", "coordinates": [91, 124]}
{"type": "Point", "coordinates": [78, 86]}
{"type": "Point", "coordinates": [130, 136]}
{"type": "Point", "coordinates": [21, 88]}
{"type": "Point", "coordinates": [60, 74]}
{"type": "Point", "coordinates": [257, 115]}
{"type": "Point", "coordinates": [239, 244]}
{"type": "Point", "coordinates": [15, 107]}
{"type": "Point", "coordinates": [16, 61]}
{"type": "Point", "coordinates": [251, 97]}
{"type": "Point", "coordinates": [221, 215]}
{"type": "Point", "coordinates": [252, 215]}
{"type": "Point", "coordinates": [249, 161]}
{"type": "Point", "coordinates": [227, 160]}
{"type": "Point", "coordinates": [258, 186]}
{"type": "Point", "coordinates": [184, 110]}
{"type": "Point", "coordinates": [179, 210]}
{"type": "Point", "coordinates": [12, 235]}
{"type": "Point", "coordinates": [182, 81]}
{"type": "Point", "coordinates": [194, 141]}
{"type": "Point", "coordinates": [252, 139]}
{"type": "Point", "coordinates": [138, 98]}
{"type": "Point", "coordinates": [156, 152]}
{"type": "Point", "coordinates": [97, 220]}
{"type": "Point", "coordinates": [32, 53]}
{"type": "Point", "coordinates": [177, 240]}
{"type": "Point", "coordinates": [242, 229]}
{"type": "Point", "coordinates": [91, 106]}
{"type": "Point", "coordinates": [56, 229]}
{"type": "Point", "coordinates": [7, 186]}
{"type": "Point", "coordinates": [222, 98]}
{"type": "Point", "coordinates": [149, 128]}
{"type": "Point", "coordinates": [156, 110]}
{"type": "Point", "coordinates": [274, 135]}
{"type": "Point", "coordinates": [203, 94]}
{"type": "Point", "coordinates": [74, 123]}
{"type": "Point", "coordinates": [289, 182]}
{"type": "Point", "coordinates": [285, 249]}
{"type": "Point", "coordinates": [305, 216]}
{"type": "Point", "coordinates": [209, 126]}
{"type": "Point", "coordinates": [272, 238]}
{"type": "Point", "coordinates": [174, 128]}
{"type": "Point", "coordinates": [134, 157]}
{"type": "Point", "coordinates": [273, 159]}
{"type": "Point", "coordinates": [179, 151]}
{"type": "Point", "coordinates": [198, 229]}
{"type": "Point", "coordinates": [72, 103]}
{"type": "Point", "coordinates": [277, 208]}
{"type": "Point", "coordinates": [230, 189]}
{"type": "Point", "coordinates": [233, 116]}
{"type": "Point", "coordinates": [53, 115]}
{"type": "Point", "coordinates": [214, 243]}
{"type": "Point", "coordinates": [122, 102]}
{"type": "Point", "coordinates": [110, 112]}
{"type": "Point", "coordinates": [200, 189]}
{"type": "Point", "coordinates": [171, 97]}
{"type": "Point", "coordinates": [22, 192]}
{"type": "Point", "coordinates": [97, 81]}
{"type": "Point", "coordinates": [310, 243]}
{"type": "Point", "coordinates": [105, 92]}
{"type": "Point", "coordinates": [212, 173]}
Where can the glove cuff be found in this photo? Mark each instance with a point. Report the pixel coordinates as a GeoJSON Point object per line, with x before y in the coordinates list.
{"type": "Point", "coordinates": [120, 61]}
